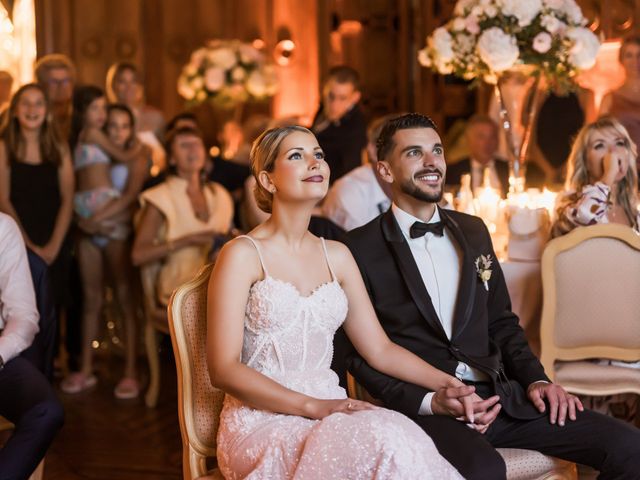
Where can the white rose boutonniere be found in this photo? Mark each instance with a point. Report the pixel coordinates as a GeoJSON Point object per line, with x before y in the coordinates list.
{"type": "Point", "coordinates": [483, 267]}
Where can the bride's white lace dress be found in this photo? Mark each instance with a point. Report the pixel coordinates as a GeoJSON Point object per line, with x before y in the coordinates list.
{"type": "Point", "coordinates": [288, 337]}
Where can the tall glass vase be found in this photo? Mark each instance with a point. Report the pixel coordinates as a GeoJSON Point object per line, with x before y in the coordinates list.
{"type": "Point", "coordinates": [517, 94]}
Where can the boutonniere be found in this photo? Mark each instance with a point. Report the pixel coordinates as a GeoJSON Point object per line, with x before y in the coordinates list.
{"type": "Point", "coordinates": [483, 267]}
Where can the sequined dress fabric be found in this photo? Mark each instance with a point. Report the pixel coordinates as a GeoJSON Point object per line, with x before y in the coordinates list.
{"type": "Point", "coordinates": [288, 337]}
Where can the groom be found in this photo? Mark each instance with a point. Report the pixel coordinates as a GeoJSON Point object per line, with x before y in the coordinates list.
{"type": "Point", "coordinates": [439, 291]}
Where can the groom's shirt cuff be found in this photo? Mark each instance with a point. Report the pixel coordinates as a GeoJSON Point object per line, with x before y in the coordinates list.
{"type": "Point", "coordinates": [425, 406]}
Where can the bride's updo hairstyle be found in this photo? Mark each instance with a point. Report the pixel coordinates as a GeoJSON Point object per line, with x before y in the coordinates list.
{"type": "Point", "coordinates": [263, 156]}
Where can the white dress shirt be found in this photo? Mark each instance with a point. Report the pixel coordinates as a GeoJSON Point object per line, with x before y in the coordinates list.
{"type": "Point", "coordinates": [18, 312]}
{"type": "Point", "coordinates": [355, 199]}
{"type": "Point", "coordinates": [438, 260]}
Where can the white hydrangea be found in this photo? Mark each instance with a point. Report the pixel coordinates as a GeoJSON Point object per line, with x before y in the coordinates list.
{"type": "Point", "coordinates": [524, 10]}
{"type": "Point", "coordinates": [224, 58]}
{"type": "Point", "coordinates": [553, 4]}
{"type": "Point", "coordinates": [498, 49]}
{"type": "Point", "coordinates": [442, 43]}
{"type": "Point", "coordinates": [585, 47]}
{"type": "Point", "coordinates": [573, 12]}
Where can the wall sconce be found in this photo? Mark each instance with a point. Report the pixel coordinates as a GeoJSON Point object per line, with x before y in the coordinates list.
{"type": "Point", "coordinates": [285, 47]}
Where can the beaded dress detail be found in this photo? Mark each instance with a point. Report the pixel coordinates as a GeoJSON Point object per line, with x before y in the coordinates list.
{"type": "Point", "coordinates": [288, 337]}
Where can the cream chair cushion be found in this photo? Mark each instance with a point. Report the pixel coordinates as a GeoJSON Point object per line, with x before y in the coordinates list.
{"type": "Point", "coordinates": [597, 379]}
{"type": "Point", "coordinates": [532, 465]}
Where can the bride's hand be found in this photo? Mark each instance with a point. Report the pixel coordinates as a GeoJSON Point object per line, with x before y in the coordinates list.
{"type": "Point", "coordinates": [318, 409]}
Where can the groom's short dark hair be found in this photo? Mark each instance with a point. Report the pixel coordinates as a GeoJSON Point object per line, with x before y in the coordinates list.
{"type": "Point", "coordinates": [385, 144]}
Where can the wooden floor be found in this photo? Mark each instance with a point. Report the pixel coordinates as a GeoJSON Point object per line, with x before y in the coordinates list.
{"type": "Point", "coordinates": [108, 439]}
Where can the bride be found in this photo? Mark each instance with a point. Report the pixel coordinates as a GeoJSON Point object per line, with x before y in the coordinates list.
{"type": "Point", "coordinates": [275, 300]}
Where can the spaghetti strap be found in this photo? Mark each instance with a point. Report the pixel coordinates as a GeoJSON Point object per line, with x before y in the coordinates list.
{"type": "Point", "coordinates": [255, 244]}
{"type": "Point", "coordinates": [326, 256]}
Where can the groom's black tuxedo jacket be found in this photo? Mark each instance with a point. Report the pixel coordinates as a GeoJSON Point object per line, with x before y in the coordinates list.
{"type": "Point", "coordinates": [486, 334]}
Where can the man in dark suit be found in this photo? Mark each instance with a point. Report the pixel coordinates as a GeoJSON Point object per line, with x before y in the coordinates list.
{"type": "Point", "coordinates": [339, 124]}
{"type": "Point", "coordinates": [439, 292]}
{"type": "Point", "coordinates": [481, 134]}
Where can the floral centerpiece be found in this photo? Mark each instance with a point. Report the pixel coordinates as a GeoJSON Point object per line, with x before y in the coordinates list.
{"type": "Point", "coordinates": [493, 39]}
{"type": "Point", "coordinates": [227, 72]}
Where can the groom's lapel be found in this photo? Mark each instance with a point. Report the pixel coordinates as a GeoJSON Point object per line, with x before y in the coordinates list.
{"type": "Point", "coordinates": [409, 271]}
{"type": "Point", "coordinates": [468, 280]}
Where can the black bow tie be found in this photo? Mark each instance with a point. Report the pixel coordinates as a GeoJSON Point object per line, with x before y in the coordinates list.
{"type": "Point", "coordinates": [419, 229]}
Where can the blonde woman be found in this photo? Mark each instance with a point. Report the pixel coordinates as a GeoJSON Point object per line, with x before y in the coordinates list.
{"type": "Point", "coordinates": [276, 298]}
{"type": "Point", "coordinates": [602, 181]}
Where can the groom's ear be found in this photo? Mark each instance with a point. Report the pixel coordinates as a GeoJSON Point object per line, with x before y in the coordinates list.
{"type": "Point", "coordinates": [384, 171]}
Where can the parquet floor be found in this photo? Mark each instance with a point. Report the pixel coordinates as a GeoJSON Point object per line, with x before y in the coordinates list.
{"type": "Point", "coordinates": [108, 439]}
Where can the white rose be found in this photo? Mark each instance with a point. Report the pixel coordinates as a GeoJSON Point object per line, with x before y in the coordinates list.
{"type": "Point", "coordinates": [197, 83]}
{"type": "Point", "coordinates": [542, 42]}
{"type": "Point", "coordinates": [497, 49]}
{"type": "Point", "coordinates": [485, 3]}
{"type": "Point", "coordinates": [190, 69]}
{"type": "Point", "coordinates": [585, 47]}
{"type": "Point", "coordinates": [238, 74]}
{"type": "Point", "coordinates": [249, 54]}
{"type": "Point", "coordinates": [471, 22]}
{"type": "Point", "coordinates": [463, 5]}
{"type": "Point", "coordinates": [256, 84]}
{"type": "Point", "coordinates": [214, 78]}
{"type": "Point", "coordinates": [271, 80]}
{"type": "Point", "coordinates": [477, 11]}
{"type": "Point", "coordinates": [184, 88]}
{"type": "Point", "coordinates": [457, 24]}
{"type": "Point", "coordinates": [553, 25]}
{"type": "Point", "coordinates": [224, 58]}
{"type": "Point", "coordinates": [524, 10]}
{"type": "Point", "coordinates": [490, 11]}
{"type": "Point", "coordinates": [198, 56]}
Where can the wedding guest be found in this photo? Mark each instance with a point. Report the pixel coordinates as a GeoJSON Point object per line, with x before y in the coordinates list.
{"type": "Point", "coordinates": [339, 124]}
{"type": "Point", "coordinates": [181, 216]}
{"type": "Point", "coordinates": [95, 193]}
{"type": "Point", "coordinates": [56, 74]}
{"type": "Point", "coordinates": [37, 184]}
{"type": "Point", "coordinates": [359, 196]}
{"type": "Point", "coordinates": [28, 399]}
{"type": "Point", "coordinates": [437, 290]}
{"type": "Point", "coordinates": [481, 134]}
{"type": "Point", "coordinates": [271, 316]}
{"type": "Point", "coordinates": [125, 85]}
{"type": "Point", "coordinates": [624, 102]}
{"type": "Point", "coordinates": [127, 178]}
{"type": "Point", "coordinates": [602, 181]}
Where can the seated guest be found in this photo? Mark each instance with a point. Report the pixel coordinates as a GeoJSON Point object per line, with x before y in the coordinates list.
{"type": "Point", "coordinates": [482, 138]}
{"type": "Point", "coordinates": [339, 124]}
{"type": "Point", "coordinates": [181, 216]}
{"type": "Point", "coordinates": [360, 195]}
{"type": "Point", "coordinates": [602, 181]}
{"type": "Point", "coordinates": [27, 399]}
{"type": "Point", "coordinates": [601, 188]}
{"type": "Point", "coordinates": [437, 290]}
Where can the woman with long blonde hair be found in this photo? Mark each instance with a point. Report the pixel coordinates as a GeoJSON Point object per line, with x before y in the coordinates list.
{"type": "Point", "coordinates": [602, 181]}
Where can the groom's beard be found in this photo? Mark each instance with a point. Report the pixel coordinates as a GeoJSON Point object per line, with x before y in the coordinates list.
{"type": "Point", "coordinates": [413, 190]}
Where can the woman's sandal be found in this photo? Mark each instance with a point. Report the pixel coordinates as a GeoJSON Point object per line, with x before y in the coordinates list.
{"type": "Point", "coordinates": [127, 389]}
{"type": "Point", "coordinates": [78, 382]}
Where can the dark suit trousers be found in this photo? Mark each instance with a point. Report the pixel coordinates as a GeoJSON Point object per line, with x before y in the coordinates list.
{"type": "Point", "coordinates": [601, 442]}
{"type": "Point", "coordinates": [27, 399]}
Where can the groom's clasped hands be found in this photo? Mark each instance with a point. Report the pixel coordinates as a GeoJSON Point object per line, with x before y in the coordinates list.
{"type": "Point", "coordinates": [461, 402]}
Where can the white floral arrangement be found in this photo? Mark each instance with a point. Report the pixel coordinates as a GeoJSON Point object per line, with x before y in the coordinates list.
{"type": "Point", "coordinates": [487, 37]}
{"type": "Point", "coordinates": [227, 72]}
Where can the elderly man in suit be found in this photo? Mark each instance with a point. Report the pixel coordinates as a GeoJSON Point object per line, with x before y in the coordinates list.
{"type": "Point", "coordinates": [438, 291]}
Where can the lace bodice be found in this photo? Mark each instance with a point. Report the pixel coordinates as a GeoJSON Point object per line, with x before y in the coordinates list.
{"type": "Point", "coordinates": [288, 336]}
